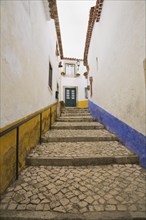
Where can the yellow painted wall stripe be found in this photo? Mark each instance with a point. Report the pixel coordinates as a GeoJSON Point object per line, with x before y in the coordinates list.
{"type": "Point", "coordinates": [29, 134]}
{"type": "Point", "coordinates": [83, 104]}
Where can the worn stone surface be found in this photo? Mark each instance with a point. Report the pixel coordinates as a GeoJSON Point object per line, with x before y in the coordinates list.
{"type": "Point", "coordinates": [77, 125]}
{"type": "Point", "coordinates": [78, 133]}
{"type": "Point", "coordinates": [80, 149]}
{"type": "Point", "coordinates": [79, 190]}
{"type": "Point", "coordinates": [70, 124]}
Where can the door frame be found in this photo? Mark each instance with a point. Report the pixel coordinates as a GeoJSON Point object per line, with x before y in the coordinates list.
{"type": "Point", "coordinates": [70, 87]}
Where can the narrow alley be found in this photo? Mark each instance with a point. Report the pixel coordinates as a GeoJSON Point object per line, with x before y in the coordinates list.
{"type": "Point", "coordinates": [72, 127]}
{"type": "Point", "coordinates": [80, 171]}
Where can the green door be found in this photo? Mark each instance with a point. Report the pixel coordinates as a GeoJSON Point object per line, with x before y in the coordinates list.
{"type": "Point", "coordinates": [70, 97]}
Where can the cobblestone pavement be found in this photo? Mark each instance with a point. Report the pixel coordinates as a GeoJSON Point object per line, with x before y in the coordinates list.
{"type": "Point", "coordinates": [78, 190]}
{"type": "Point", "coordinates": [80, 149]}
{"type": "Point", "coordinates": [78, 133]}
{"type": "Point", "coordinates": [73, 190]}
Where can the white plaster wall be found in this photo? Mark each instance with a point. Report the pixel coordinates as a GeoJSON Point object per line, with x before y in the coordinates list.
{"type": "Point", "coordinates": [79, 82]}
{"type": "Point", "coordinates": [28, 42]}
{"type": "Point", "coordinates": [118, 41]}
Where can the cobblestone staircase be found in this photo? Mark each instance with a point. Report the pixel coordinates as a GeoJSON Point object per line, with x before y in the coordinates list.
{"type": "Point", "coordinates": [80, 171]}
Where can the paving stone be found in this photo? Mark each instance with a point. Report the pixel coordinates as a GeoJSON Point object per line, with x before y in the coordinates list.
{"type": "Point", "coordinates": [132, 207]}
{"type": "Point", "coordinates": [53, 191]}
{"type": "Point", "coordinates": [21, 207]}
{"type": "Point", "coordinates": [40, 207]}
{"type": "Point", "coordinates": [31, 207]}
{"type": "Point", "coordinates": [83, 204]}
{"type": "Point", "coordinates": [99, 208]}
{"type": "Point", "coordinates": [110, 207]}
{"type": "Point", "coordinates": [45, 201]}
{"type": "Point", "coordinates": [64, 201]}
{"type": "Point", "coordinates": [46, 207]}
{"type": "Point", "coordinates": [82, 196]}
{"type": "Point", "coordinates": [59, 195]}
{"type": "Point", "coordinates": [25, 201]}
{"type": "Point", "coordinates": [54, 204]}
{"type": "Point", "coordinates": [17, 188]}
{"type": "Point", "coordinates": [89, 199]}
{"type": "Point", "coordinates": [74, 200]}
{"type": "Point", "coordinates": [12, 206]}
{"type": "Point", "coordinates": [122, 207]}
{"type": "Point", "coordinates": [18, 197]}
{"type": "Point", "coordinates": [83, 210]}
{"type": "Point", "coordinates": [101, 201]}
{"type": "Point", "coordinates": [35, 201]}
{"type": "Point", "coordinates": [59, 209]}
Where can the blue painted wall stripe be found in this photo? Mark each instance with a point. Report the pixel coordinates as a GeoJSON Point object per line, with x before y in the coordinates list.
{"type": "Point", "coordinates": [131, 138]}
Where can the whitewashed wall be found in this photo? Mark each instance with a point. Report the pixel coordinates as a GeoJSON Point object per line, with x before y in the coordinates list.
{"type": "Point", "coordinates": [28, 43]}
{"type": "Point", "coordinates": [118, 42]}
{"type": "Point", "coordinates": [69, 81]}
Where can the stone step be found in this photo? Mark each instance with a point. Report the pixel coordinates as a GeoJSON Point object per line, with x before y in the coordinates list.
{"type": "Point", "coordinates": [80, 149]}
{"type": "Point", "coordinates": [81, 161]}
{"type": "Point", "coordinates": [76, 114]}
{"type": "Point", "coordinates": [77, 125]}
{"type": "Point", "coordinates": [75, 110]}
{"type": "Point", "coordinates": [48, 215]}
{"type": "Point", "coordinates": [81, 154]}
{"type": "Point", "coordinates": [75, 119]}
{"type": "Point", "coordinates": [78, 135]}
{"type": "Point", "coordinates": [87, 192]}
{"type": "Point", "coordinates": [77, 139]}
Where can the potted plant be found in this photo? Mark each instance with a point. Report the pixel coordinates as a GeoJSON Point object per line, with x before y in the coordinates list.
{"type": "Point", "coordinates": [77, 74]}
{"type": "Point", "coordinates": [86, 74]}
{"type": "Point", "coordinates": [62, 73]}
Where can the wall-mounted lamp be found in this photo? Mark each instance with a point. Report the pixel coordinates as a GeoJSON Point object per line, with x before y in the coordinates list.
{"type": "Point", "coordinates": [78, 64]}
{"type": "Point", "coordinates": [60, 64]}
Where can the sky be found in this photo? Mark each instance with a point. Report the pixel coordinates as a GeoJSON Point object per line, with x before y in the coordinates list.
{"type": "Point", "coordinates": [73, 18]}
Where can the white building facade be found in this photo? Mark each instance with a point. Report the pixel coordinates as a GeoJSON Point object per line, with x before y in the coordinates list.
{"type": "Point", "coordinates": [73, 83]}
{"type": "Point", "coordinates": [115, 61]}
{"type": "Point", "coordinates": [29, 61]}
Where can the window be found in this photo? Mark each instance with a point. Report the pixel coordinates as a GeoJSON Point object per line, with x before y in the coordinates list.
{"type": "Point", "coordinates": [70, 69]}
{"type": "Point", "coordinates": [86, 93]}
{"type": "Point", "coordinates": [50, 76]}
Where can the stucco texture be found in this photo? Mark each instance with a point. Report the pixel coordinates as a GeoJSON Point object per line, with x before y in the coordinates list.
{"type": "Point", "coordinates": [116, 56]}
{"type": "Point", "coordinates": [28, 44]}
